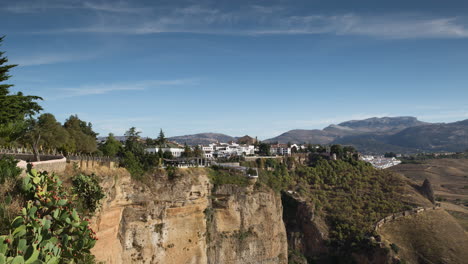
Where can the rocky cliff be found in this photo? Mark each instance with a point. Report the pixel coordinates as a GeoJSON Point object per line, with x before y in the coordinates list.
{"type": "Point", "coordinates": [182, 218]}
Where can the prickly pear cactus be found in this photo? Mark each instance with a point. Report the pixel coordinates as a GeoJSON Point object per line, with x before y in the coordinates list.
{"type": "Point", "coordinates": [49, 229]}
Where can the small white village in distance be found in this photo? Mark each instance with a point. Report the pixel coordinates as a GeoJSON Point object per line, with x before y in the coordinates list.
{"type": "Point", "coordinates": [229, 151]}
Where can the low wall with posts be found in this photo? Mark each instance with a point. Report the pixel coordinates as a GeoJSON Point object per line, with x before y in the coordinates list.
{"type": "Point", "coordinates": [55, 162]}
{"type": "Point", "coordinates": [90, 162]}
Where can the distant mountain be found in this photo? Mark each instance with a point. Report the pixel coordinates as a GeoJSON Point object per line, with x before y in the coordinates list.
{"type": "Point", "coordinates": [452, 137]}
{"type": "Point", "coordinates": [375, 125]}
{"type": "Point", "coordinates": [403, 134]}
{"type": "Point", "coordinates": [304, 136]}
{"type": "Point", "coordinates": [433, 137]}
{"type": "Point", "coordinates": [202, 138]}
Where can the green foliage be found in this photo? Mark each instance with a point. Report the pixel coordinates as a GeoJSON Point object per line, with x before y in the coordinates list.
{"type": "Point", "coordinates": [338, 150]}
{"type": "Point", "coordinates": [197, 152]}
{"type": "Point", "coordinates": [8, 168]}
{"type": "Point", "coordinates": [277, 179]}
{"type": "Point", "coordinates": [44, 132]}
{"type": "Point", "coordinates": [395, 248]}
{"type": "Point", "coordinates": [264, 149]}
{"type": "Point", "coordinates": [296, 257]}
{"type": "Point", "coordinates": [131, 162]}
{"type": "Point", "coordinates": [111, 147]}
{"type": "Point", "coordinates": [87, 188]}
{"type": "Point", "coordinates": [14, 107]}
{"type": "Point", "coordinates": [351, 195]}
{"type": "Point", "coordinates": [187, 152]}
{"type": "Point", "coordinates": [8, 188]}
{"type": "Point", "coordinates": [161, 138]}
{"type": "Point", "coordinates": [49, 229]}
{"type": "Point", "coordinates": [82, 138]}
{"type": "Point", "coordinates": [220, 176]}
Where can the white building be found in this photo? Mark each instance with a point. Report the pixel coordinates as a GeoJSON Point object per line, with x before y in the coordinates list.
{"type": "Point", "coordinates": [280, 149]}
{"type": "Point", "coordinates": [227, 150]}
{"type": "Point", "coordinates": [176, 152]}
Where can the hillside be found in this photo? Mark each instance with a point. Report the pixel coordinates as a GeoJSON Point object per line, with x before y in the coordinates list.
{"type": "Point", "coordinates": [202, 138]}
{"type": "Point", "coordinates": [418, 238]}
{"type": "Point", "coordinates": [374, 126]}
{"type": "Point", "coordinates": [433, 137]}
{"type": "Point", "coordinates": [449, 178]}
{"type": "Point", "coordinates": [381, 125]}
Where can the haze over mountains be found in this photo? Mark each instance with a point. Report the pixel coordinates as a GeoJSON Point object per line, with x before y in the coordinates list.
{"type": "Point", "coordinates": [403, 134]}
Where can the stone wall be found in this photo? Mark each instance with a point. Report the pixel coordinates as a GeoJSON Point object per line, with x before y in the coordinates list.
{"type": "Point", "coordinates": [90, 162]}
{"type": "Point", "coordinates": [395, 216]}
{"type": "Point", "coordinates": [53, 165]}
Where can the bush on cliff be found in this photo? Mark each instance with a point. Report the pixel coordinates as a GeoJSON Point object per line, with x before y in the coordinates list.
{"type": "Point", "coordinates": [220, 176]}
{"type": "Point", "coordinates": [88, 190]}
{"type": "Point", "coordinates": [49, 228]}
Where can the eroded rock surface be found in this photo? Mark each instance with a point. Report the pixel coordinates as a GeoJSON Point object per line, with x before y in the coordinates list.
{"type": "Point", "coordinates": [179, 219]}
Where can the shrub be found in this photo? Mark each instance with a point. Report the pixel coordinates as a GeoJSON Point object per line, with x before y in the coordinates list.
{"type": "Point", "coordinates": [8, 169]}
{"type": "Point", "coordinates": [87, 188]}
{"type": "Point", "coordinates": [219, 176]}
{"type": "Point", "coordinates": [49, 228]}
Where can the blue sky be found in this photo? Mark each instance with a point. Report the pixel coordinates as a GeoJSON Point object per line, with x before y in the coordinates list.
{"type": "Point", "coordinates": [239, 67]}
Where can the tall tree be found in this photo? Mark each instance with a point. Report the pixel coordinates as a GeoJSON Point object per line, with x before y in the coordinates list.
{"type": "Point", "coordinates": [111, 147]}
{"type": "Point", "coordinates": [132, 142]}
{"type": "Point", "coordinates": [264, 149]}
{"type": "Point", "coordinates": [44, 133]}
{"type": "Point", "coordinates": [198, 152]}
{"type": "Point", "coordinates": [82, 137]}
{"type": "Point", "coordinates": [14, 107]}
{"type": "Point", "coordinates": [187, 151]}
{"type": "Point", "coordinates": [161, 138]}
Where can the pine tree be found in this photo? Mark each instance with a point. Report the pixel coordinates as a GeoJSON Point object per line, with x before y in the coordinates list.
{"type": "Point", "coordinates": [14, 107]}
{"type": "Point", "coordinates": [161, 138]}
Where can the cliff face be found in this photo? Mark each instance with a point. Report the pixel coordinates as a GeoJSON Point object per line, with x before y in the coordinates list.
{"type": "Point", "coordinates": [245, 226]}
{"type": "Point", "coordinates": [179, 219]}
{"type": "Point", "coordinates": [306, 232]}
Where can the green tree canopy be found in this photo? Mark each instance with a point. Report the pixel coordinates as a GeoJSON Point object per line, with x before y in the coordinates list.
{"type": "Point", "coordinates": [14, 107]}
{"type": "Point", "coordinates": [264, 149]}
{"type": "Point", "coordinates": [187, 151]}
{"type": "Point", "coordinates": [44, 132]}
{"type": "Point", "coordinates": [197, 152]}
{"type": "Point", "coordinates": [82, 137]}
{"type": "Point", "coordinates": [132, 143]}
{"type": "Point", "coordinates": [111, 147]}
{"type": "Point", "coordinates": [161, 138]}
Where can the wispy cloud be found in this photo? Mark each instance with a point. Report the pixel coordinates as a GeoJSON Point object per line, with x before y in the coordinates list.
{"type": "Point", "coordinates": [261, 22]}
{"type": "Point", "coordinates": [23, 7]}
{"type": "Point", "coordinates": [124, 17]}
{"type": "Point", "coordinates": [98, 89]}
{"type": "Point", "coordinates": [114, 7]}
{"type": "Point", "coordinates": [43, 59]}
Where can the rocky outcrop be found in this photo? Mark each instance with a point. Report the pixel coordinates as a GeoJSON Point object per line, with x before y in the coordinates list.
{"type": "Point", "coordinates": [427, 191]}
{"type": "Point", "coordinates": [245, 226]}
{"type": "Point", "coordinates": [307, 233]}
{"type": "Point", "coordinates": [179, 219]}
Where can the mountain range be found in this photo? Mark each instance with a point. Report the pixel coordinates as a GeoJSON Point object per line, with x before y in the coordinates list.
{"type": "Point", "coordinates": [404, 134]}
